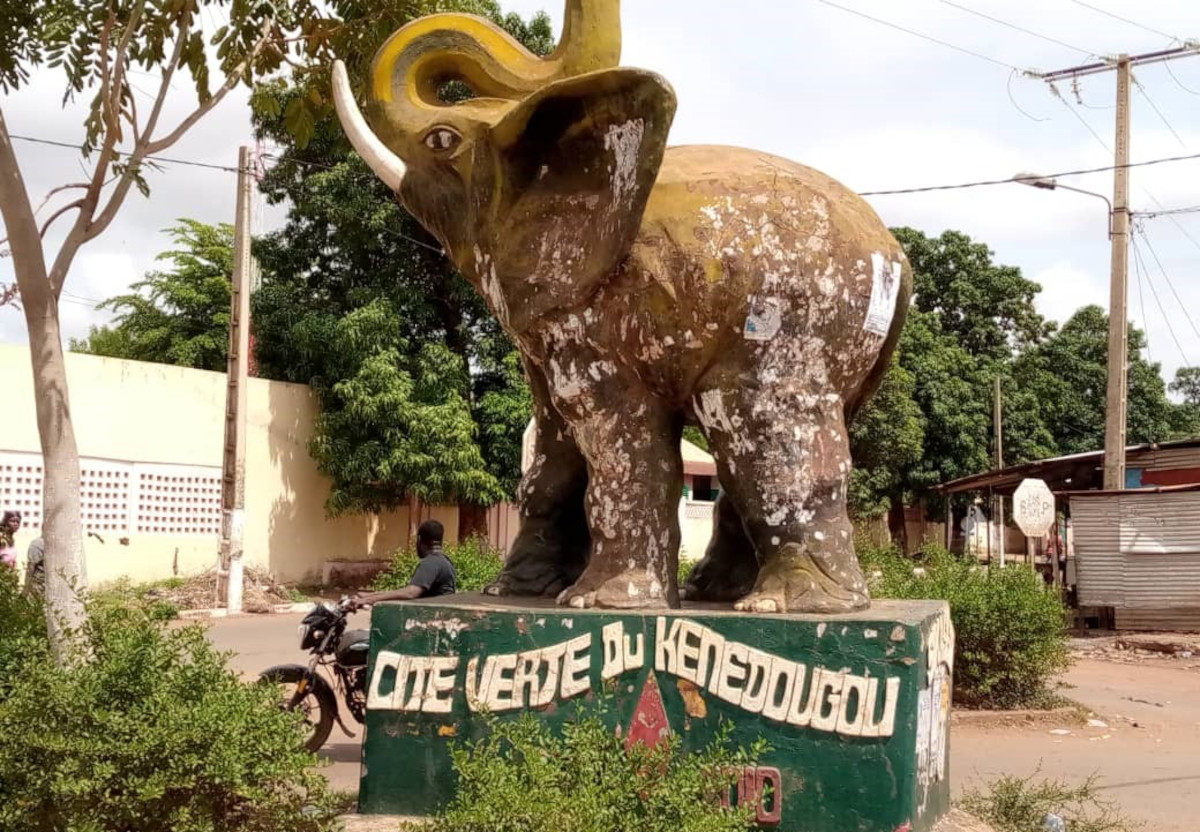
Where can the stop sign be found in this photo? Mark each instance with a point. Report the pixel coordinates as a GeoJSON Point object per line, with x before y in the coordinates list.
{"type": "Point", "coordinates": [1033, 508]}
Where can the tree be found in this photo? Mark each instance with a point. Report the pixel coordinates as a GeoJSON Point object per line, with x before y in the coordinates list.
{"type": "Point", "coordinates": [1187, 385]}
{"type": "Point", "coordinates": [348, 255]}
{"type": "Point", "coordinates": [97, 44]}
{"type": "Point", "coordinates": [886, 438]}
{"type": "Point", "coordinates": [1068, 377]}
{"type": "Point", "coordinates": [178, 316]}
{"type": "Point", "coordinates": [931, 421]}
{"type": "Point", "coordinates": [987, 307]}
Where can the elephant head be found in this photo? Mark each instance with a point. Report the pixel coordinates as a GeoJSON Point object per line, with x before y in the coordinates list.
{"type": "Point", "coordinates": [537, 184]}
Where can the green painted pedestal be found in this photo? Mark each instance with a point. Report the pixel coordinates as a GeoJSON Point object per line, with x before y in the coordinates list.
{"type": "Point", "coordinates": [855, 707]}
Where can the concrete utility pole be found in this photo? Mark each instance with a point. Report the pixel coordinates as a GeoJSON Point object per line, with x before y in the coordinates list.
{"type": "Point", "coordinates": [997, 417]}
{"type": "Point", "coordinates": [1118, 317]}
{"type": "Point", "coordinates": [233, 467]}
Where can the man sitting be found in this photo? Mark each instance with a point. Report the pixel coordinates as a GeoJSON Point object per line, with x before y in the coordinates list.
{"type": "Point", "coordinates": [434, 574]}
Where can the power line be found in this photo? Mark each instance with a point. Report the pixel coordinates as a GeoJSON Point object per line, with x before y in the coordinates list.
{"type": "Point", "coordinates": [1015, 27]}
{"type": "Point", "coordinates": [1179, 83]}
{"type": "Point", "coordinates": [924, 36]}
{"type": "Point", "coordinates": [1159, 112]}
{"type": "Point", "coordinates": [1137, 267]}
{"type": "Point", "coordinates": [1158, 301]}
{"type": "Point", "coordinates": [1168, 212]}
{"type": "Point", "coordinates": [1143, 27]}
{"type": "Point", "coordinates": [157, 159]}
{"type": "Point", "coordinates": [894, 192]}
{"type": "Point", "coordinates": [1078, 116]}
{"type": "Point", "coordinates": [1009, 180]}
{"type": "Point", "coordinates": [1146, 239]}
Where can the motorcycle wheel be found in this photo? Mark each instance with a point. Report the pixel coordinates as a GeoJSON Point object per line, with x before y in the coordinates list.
{"type": "Point", "coordinates": [316, 702]}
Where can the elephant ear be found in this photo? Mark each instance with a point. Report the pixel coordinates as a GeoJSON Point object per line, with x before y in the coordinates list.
{"type": "Point", "coordinates": [574, 167]}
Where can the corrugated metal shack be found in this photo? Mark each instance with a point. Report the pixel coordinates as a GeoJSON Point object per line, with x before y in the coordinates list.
{"type": "Point", "coordinates": [1136, 552]}
{"type": "Point", "coordinates": [1139, 553]}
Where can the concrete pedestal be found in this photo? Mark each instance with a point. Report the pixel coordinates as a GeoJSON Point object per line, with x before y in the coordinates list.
{"type": "Point", "coordinates": [855, 707]}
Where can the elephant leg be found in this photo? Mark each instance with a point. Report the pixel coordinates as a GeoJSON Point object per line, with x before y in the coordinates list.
{"type": "Point", "coordinates": [551, 548]}
{"type": "Point", "coordinates": [792, 466]}
{"type": "Point", "coordinates": [730, 564]}
{"type": "Point", "coordinates": [634, 484]}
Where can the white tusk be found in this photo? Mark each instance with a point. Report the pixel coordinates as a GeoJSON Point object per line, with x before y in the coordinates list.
{"type": "Point", "coordinates": [386, 164]}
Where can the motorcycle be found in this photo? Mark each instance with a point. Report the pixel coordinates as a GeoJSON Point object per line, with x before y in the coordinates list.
{"type": "Point", "coordinates": [344, 655]}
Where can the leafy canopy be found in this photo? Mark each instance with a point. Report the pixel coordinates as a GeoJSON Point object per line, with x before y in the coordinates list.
{"type": "Point", "coordinates": [178, 315]}
{"type": "Point", "coordinates": [972, 322]}
{"type": "Point", "coordinates": [422, 393]}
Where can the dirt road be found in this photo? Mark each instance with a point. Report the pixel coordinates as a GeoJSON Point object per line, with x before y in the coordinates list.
{"type": "Point", "coordinates": [1148, 755]}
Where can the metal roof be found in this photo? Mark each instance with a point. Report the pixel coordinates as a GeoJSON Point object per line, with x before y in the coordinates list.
{"type": "Point", "coordinates": [1075, 472]}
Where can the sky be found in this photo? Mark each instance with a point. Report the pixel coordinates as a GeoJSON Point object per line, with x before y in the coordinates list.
{"type": "Point", "coordinates": [875, 107]}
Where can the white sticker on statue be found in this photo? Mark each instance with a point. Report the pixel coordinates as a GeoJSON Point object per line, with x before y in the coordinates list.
{"type": "Point", "coordinates": [764, 320]}
{"type": "Point", "coordinates": [885, 288]}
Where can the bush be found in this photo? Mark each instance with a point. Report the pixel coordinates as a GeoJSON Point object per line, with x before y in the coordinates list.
{"type": "Point", "coordinates": [152, 734]}
{"type": "Point", "coordinates": [476, 564]}
{"type": "Point", "coordinates": [22, 629]}
{"type": "Point", "coordinates": [1013, 804]}
{"type": "Point", "coordinates": [1009, 626]}
{"type": "Point", "coordinates": [124, 593]}
{"type": "Point", "coordinates": [523, 777]}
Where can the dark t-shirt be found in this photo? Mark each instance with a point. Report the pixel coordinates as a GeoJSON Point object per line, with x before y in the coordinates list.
{"type": "Point", "coordinates": [435, 575]}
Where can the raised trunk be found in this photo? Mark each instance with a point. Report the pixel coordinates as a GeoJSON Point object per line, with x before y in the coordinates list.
{"type": "Point", "coordinates": [62, 527]}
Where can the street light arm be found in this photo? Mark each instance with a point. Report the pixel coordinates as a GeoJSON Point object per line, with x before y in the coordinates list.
{"type": "Point", "coordinates": [1107, 201]}
{"type": "Point", "coordinates": [1047, 183]}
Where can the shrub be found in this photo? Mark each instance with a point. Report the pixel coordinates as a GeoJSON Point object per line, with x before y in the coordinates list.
{"type": "Point", "coordinates": [125, 593]}
{"type": "Point", "coordinates": [1009, 626]}
{"type": "Point", "coordinates": [476, 564]}
{"type": "Point", "coordinates": [1013, 804]}
{"type": "Point", "coordinates": [521, 776]}
{"type": "Point", "coordinates": [22, 630]}
{"type": "Point", "coordinates": [152, 734]}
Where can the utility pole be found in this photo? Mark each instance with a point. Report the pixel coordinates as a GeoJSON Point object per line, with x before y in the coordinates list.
{"type": "Point", "coordinates": [997, 418]}
{"type": "Point", "coordinates": [1115, 414]}
{"type": "Point", "coordinates": [1118, 317]}
{"type": "Point", "coordinates": [233, 467]}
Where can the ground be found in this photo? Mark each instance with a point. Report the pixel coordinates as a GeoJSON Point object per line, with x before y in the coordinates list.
{"type": "Point", "coordinates": [1147, 751]}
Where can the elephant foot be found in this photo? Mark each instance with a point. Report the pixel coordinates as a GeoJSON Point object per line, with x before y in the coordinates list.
{"type": "Point", "coordinates": [719, 582]}
{"type": "Point", "coordinates": [502, 587]}
{"type": "Point", "coordinates": [631, 589]}
{"type": "Point", "coordinates": [530, 577]}
{"type": "Point", "coordinates": [793, 582]}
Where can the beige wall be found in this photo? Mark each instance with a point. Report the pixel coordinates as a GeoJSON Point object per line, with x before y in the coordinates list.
{"type": "Point", "coordinates": [128, 411]}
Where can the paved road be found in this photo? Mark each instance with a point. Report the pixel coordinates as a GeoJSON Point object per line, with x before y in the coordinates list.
{"type": "Point", "coordinates": [1152, 769]}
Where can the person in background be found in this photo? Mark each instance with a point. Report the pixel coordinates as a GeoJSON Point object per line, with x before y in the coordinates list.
{"type": "Point", "coordinates": [9, 526]}
{"type": "Point", "coordinates": [35, 569]}
{"type": "Point", "coordinates": [434, 574]}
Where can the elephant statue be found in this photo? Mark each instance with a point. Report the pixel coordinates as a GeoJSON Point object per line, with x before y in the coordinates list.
{"type": "Point", "coordinates": [647, 288]}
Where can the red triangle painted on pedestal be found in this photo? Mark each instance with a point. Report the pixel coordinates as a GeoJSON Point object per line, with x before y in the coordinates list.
{"type": "Point", "coordinates": [649, 724]}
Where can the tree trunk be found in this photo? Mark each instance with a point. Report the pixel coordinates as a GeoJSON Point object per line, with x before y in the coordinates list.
{"type": "Point", "coordinates": [896, 525]}
{"type": "Point", "coordinates": [472, 522]}
{"type": "Point", "coordinates": [62, 527]}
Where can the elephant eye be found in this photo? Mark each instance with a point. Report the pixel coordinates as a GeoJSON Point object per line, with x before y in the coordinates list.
{"type": "Point", "coordinates": [442, 138]}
